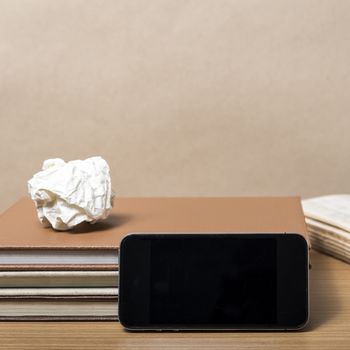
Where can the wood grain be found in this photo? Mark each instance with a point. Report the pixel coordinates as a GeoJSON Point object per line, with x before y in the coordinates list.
{"type": "Point", "coordinates": [329, 326]}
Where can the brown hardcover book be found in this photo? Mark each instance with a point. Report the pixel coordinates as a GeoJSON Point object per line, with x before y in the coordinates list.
{"type": "Point", "coordinates": [25, 244]}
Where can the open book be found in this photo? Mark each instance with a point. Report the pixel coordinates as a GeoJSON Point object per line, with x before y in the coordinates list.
{"type": "Point", "coordinates": [328, 223]}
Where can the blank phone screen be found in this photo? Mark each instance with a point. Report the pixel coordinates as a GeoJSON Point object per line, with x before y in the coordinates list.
{"type": "Point", "coordinates": [213, 281]}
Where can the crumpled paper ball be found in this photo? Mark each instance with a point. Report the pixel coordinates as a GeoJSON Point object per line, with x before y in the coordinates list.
{"type": "Point", "coordinates": [68, 193]}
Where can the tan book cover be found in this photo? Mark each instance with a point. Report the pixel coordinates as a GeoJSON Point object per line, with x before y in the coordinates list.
{"type": "Point", "coordinates": [60, 310]}
{"type": "Point", "coordinates": [21, 229]}
{"type": "Point", "coordinates": [58, 279]}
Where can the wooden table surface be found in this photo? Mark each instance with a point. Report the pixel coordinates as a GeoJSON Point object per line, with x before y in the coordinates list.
{"type": "Point", "coordinates": [329, 327]}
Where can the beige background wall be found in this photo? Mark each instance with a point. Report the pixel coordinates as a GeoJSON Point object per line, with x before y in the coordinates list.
{"type": "Point", "coordinates": [198, 98]}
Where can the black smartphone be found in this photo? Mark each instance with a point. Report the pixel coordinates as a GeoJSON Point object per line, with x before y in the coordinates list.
{"type": "Point", "coordinates": [218, 281]}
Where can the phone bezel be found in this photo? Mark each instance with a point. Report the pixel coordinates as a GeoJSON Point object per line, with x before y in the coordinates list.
{"type": "Point", "coordinates": [203, 327]}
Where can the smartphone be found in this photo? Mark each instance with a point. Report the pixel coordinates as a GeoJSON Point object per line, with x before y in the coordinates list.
{"type": "Point", "coordinates": [214, 281]}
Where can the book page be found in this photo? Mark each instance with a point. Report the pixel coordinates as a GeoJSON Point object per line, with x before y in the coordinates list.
{"type": "Point", "coordinates": [333, 210]}
{"type": "Point", "coordinates": [331, 231]}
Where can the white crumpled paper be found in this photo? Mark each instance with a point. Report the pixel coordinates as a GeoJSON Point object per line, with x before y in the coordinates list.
{"type": "Point", "coordinates": [66, 194]}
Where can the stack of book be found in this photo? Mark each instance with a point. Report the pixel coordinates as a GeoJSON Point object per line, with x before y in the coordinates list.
{"type": "Point", "coordinates": [328, 222]}
{"type": "Point", "coordinates": [51, 275]}
{"type": "Point", "coordinates": [58, 295]}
